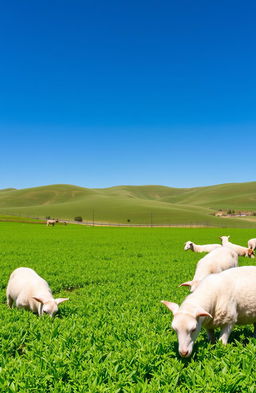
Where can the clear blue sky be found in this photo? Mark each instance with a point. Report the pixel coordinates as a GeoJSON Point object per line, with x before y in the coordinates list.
{"type": "Point", "coordinates": [103, 93]}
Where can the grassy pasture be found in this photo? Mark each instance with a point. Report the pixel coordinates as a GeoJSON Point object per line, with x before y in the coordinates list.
{"type": "Point", "coordinates": [138, 204]}
{"type": "Point", "coordinates": [113, 335]}
{"type": "Point", "coordinates": [9, 218]}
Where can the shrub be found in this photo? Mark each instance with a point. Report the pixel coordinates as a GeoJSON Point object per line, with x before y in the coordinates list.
{"type": "Point", "coordinates": [78, 218]}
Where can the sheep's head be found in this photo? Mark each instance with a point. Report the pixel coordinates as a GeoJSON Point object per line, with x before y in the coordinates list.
{"type": "Point", "coordinates": [224, 239]}
{"type": "Point", "coordinates": [50, 306]}
{"type": "Point", "coordinates": [188, 246]}
{"type": "Point", "coordinates": [187, 326]}
{"type": "Point", "coordinates": [250, 253]}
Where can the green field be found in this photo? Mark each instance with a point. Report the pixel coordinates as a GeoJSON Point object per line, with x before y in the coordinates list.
{"type": "Point", "coordinates": [10, 218]}
{"type": "Point", "coordinates": [113, 335]}
{"type": "Point", "coordinates": [134, 204]}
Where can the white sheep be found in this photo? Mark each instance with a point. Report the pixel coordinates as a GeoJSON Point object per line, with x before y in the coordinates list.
{"type": "Point", "coordinates": [252, 244]}
{"type": "Point", "coordinates": [28, 290]}
{"type": "Point", "coordinates": [240, 250]}
{"type": "Point", "coordinates": [200, 248]}
{"type": "Point", "coordinates": [221, 300]}
{"type": "Point", "coordinates": [220, 259]}
{"type": "Point", "coordinates": [51, 222]}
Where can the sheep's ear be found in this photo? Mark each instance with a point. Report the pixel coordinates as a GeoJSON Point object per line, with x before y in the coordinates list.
{"type": "Point", "coordinates": [186, 284]}
{"type": "Point", "coordinates": [202, 313]}
{"type": "Point", "coordinates": [39, 299]}
{"type": "Point", "coordinates": [61, 300]}
{"type": "Point", "coordinates": [173, 307]}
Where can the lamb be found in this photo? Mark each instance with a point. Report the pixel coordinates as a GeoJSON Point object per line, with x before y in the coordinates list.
{"type": "Point", "coordinates": [197, 248]}
{"type": "Point", "coordinates": [30, 291]}
{"type": "Point", "coordinates": [252, 244]}
{"type": "Point", "coordinates": [51, 222]}
{"type": "Point", "coordinates": [221, 300]}
{"type": "Point", "coordinates": [240, 250]}
{"type": "Point", "coordinates": [215, 262]}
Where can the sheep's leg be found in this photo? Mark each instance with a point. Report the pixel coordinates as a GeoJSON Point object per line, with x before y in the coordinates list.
{"type": "Point", "coordinates": [225, 333]}
{"type": "Point", "coordinates": [211, 336]}
{"type": "Point", "coordinates": [9, 301]}
{"type": "Point", "coordinates": [254, 332]}
{"type": "Point", "coordinates": [40, 309]}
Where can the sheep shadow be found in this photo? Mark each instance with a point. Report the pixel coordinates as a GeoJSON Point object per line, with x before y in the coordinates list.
{"type": "Point", "coordinates": [242, 335]}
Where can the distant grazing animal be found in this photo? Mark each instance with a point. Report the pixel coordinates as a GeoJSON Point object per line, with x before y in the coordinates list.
{"type": "Point", "coordinates": [240, 250]}
{"type": "Point", "coordinates": [30, 291]}
{"type": "Point", "coordinates": [252, 244]}
{"type": "Point", "coordinates": [197, 248]}
{"type": "Point", "coordinates": [221, 300]}
{"type": "Point", "coordinates": [51, 222]}
{"type": "Point", "coordinates": [215, 262]}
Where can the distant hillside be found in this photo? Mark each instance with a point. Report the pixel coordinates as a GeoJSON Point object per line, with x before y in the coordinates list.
{"type": "Point", "coordinates": [7, 189]}
{"type": "Point", "coordinates": [135, 204]}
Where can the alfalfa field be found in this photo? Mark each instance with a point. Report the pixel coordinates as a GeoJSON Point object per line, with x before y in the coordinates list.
{"type": "Point", "coordinates": [113, 335]}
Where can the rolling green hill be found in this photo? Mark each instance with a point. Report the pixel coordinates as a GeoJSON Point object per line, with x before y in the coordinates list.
{"type": "Point", "coordinates": [134, 204]}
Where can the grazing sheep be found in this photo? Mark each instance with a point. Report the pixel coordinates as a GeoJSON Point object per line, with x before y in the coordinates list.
{"type": "Point", "coordinates": [220, 259]}
{"type": "Point", "coordinates": [240, 250]}
{"type": "Point", "coordinates": [28, 290]}
{"type": "Point", "coordinates": [197, 248]}
{"type": "Point", "coordinates": [51, 222]}
{"type": "Point", "coordinates": [221, 300]}
{"type": "Point", "coordinates": [252, 244]}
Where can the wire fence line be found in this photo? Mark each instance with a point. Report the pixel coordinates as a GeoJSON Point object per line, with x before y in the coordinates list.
{"type": "Point", "coordinates": [43, 220]}
{"type": "Point", "coordinates": [109, 224]}
{"type": "Point", "coordinates": [19, 217]}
